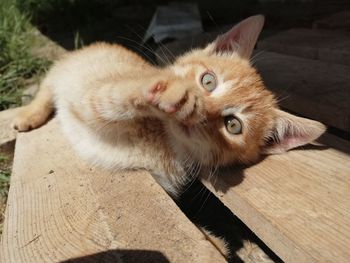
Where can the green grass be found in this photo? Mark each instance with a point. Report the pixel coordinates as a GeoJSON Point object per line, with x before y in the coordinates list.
{"type": "Point", "coordinates": [16, 63]}
{"type": "Point", "coordinates": [5, 174]}
{"type": "Point", "coordinates": [4, 178]}
{"type": "Point", "coordinates": [17, 66]}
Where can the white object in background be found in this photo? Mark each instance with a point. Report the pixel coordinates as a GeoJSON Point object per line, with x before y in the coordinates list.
{"type": "Point", "coordinates": [176, 20]}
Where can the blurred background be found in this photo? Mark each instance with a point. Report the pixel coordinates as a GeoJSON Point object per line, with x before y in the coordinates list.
{"type": "Point", "coordinates": [65, 20]}
{"type": "Point", "coordinates": [74, 23]}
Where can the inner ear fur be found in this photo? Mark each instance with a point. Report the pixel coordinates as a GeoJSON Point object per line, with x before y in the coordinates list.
{"type": "Point", "coordinates": [291, 131]}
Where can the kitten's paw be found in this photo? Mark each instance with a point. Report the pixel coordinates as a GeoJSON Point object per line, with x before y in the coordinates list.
{"type": "Point", "coordinates": [174, 99]}
{"type": "Point", "coordinates": [154, 93]}
{"type": "Point", "coordinates": [29, 118]}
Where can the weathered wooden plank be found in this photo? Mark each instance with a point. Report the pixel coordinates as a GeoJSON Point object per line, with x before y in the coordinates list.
{"type": "Point", "coordinates": [315, 89]}
{"type": "Point", "coordinates": [298, 203]}
{"type": "Point", "coordinates": [325, 45]}
{"type": "Point", "coordinates": [59, 208]}
{"type": "Point", "coordinates": [340, 20]}
{"type": "Point", "coordinates": [7, 134]}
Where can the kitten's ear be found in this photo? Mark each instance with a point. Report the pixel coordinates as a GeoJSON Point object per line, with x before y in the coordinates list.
{"type": "Point", "coordinates": [291, 131]}
{"type": "Point", "coordinates": [241, 38]}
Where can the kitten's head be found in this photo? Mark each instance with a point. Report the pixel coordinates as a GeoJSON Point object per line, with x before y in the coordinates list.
{"type": "Point", "coordinates": [242, 119]}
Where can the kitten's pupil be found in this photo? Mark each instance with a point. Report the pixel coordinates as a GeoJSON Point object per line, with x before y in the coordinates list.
{"type": "Point", "coordinates": [233, 124]}
{"type": "Point", "coordinates": [208, 81]}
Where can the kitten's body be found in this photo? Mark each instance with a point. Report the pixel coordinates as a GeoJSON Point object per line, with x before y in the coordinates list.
{"type": "Point", "coordinates": [120, 112]}
{"type": "Point", "coordinates": [85, 97]}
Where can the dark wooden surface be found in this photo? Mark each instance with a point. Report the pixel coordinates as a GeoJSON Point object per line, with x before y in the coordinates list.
{"type": "Point", "coordinates": [325, 45]}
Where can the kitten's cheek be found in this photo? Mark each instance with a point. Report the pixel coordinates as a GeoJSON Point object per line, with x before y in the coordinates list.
{"type": "Point", "coordinates": [208, 104]}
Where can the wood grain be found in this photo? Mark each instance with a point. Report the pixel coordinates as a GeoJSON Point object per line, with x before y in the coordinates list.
{"type": "Point", "coordinates": [7, 134]}
{"type": "Point", "coordinates": [314, 89]}
{"type": "Point", "coordinates": [60, 208]}
{"type": "Point", "coordinates": [298, 203]}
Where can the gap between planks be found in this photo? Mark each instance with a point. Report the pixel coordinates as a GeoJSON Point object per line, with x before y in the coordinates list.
{"type": "Point", "coordinates": [298, 203]}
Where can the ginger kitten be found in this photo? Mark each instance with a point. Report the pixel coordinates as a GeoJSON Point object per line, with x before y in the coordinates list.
{"type": "Point", "coordinates": [209, 108]}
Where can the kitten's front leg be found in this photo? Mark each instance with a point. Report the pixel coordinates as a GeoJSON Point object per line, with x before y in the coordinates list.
{"type": "Point", "coordinates": [177, 99]}
{"type": "Point", "coordinates": [149, 97]}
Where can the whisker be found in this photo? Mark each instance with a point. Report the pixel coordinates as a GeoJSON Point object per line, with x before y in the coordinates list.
{"type": "Point", "coordinates": [205, 200]}
{"type": "Point", "coordinates": [139, 49]}
{"type": "Point", "coordinates": [256, 56]}
{"type": "Point", "coordinates": [147, 48]}
{"type": "Point", "coordinates": [165, 56]}
{"type": "Point", "coordinates": [164, 47]}
{"type": "Point", "coordinates": [279, 99]}
{"type": "Point", "coordinates": [161, 44]}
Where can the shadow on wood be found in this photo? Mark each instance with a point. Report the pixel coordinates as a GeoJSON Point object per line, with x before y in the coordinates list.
{"type": "Point", "coordinates": [122, 255]}
{"type": "Point", "coordinates": [206, 210]}
{"type": "Point", "coordinates": [229, 177]}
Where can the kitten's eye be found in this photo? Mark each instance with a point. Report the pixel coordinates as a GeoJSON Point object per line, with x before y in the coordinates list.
{"type": "Point", "coordinates": [233, 124]}
{"type": "Point", "coordinates": [208, 81]}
